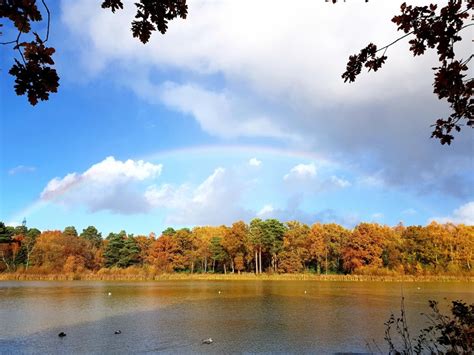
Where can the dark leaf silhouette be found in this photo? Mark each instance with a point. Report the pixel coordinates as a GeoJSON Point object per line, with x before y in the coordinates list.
{"type": "Point", "coordinates": [33, 69]}
{"type": "Point", "coordinates": [152, 15]}
{"type": "Point", "coordinates": [438, 31]}
{"type": "Point", "coordinates": [20, 13]}
{"type": "Point", "coordinates": [430, 27]}
{"type": "Point", "coordinates": [34, 76]}
{"type": "Point", "coordinates": [112, 4]}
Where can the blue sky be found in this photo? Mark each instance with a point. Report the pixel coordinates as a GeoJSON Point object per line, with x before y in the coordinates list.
{"type": "Point", "coordinates": [223, 119]}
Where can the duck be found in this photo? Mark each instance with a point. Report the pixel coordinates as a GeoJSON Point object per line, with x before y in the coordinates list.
{"type": "Point", "coordinates": [62, 335]}
{"type": "Point", "coordinates": [118, 331]}
{"type": "Point", "coordinates": [207, 341]}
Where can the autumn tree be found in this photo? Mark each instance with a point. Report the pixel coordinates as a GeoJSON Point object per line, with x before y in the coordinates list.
{"type": "Point", "coordinates": [49, 251]}
{"type": "Point", "coordinates": [187, 245]}
{"type": "Point", "coordinates": [203, 238]}
{"type": "Point", "coordinates": [28, 244]}
{"type": "Point", "coordinates": [205, 249]}
{"type": "Point", "coordinates": [436, 234]}
{"type": "Point", "coordinates": [56, 251]}
{"type": "Point", "coordinates": [416, 249]}
{"type": "Point", "coordinates": [317, 246]}
{"type": "Point", "coordinates": [290, 248]}
{"type": "Point", "coordinates": [164, 254]}
{"type": "Point", "coordinates": [364, 247]}
{"type": "Point", "coordinates": [392, 248]}
{"type": "Point", "coordinates": [144, 244]}
{"type": "Point", "coordinates": [235, 242]}
{"type": "Point", "coordinates": [335, 237]}
{"type": "Point", "coordinates": [464, 237]}
{"type": "Point", "coordinates": [10, 254]}
{"type": "Point", "coordinates": [256, 240]}
{"type": "Point", "coordinates": [295, 253]}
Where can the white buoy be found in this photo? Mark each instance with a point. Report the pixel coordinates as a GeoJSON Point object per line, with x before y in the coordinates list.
{"type": "Point", "coordinates": [305, 292]}
{"type": "Point", "coordinates": [219, 292]}
{"type": "Point", "coordinates": [110, 293]}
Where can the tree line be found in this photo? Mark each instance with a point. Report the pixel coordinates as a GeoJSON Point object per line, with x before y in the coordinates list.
{"type": "Point", "coordinates": [260, 246]}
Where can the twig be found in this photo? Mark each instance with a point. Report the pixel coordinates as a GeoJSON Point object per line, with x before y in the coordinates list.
{"type": "Point", "coordinates": [49, 20]}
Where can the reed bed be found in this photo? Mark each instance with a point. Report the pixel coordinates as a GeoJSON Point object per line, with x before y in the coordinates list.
{"type": "Point", "coordinates": [132, 275]}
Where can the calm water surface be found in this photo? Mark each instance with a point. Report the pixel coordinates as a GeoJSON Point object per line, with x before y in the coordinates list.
{"type": "Point", "coordinates": [240, 316]}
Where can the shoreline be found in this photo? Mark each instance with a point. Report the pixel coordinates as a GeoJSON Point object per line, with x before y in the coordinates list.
{"type": "Point", "coordinates": [230, 277]}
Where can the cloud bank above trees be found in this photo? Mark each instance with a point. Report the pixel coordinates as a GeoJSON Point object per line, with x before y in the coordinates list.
{"type": "Point", "coordinates": [108, 185]}
{"type": "Point", "coordinates": [278, 76]}
{"type": "Point", "coordinates": [138, 187]}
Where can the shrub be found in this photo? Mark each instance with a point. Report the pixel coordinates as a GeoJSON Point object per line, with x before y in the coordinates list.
{"type": "Point", "coordinates": [445, 334]}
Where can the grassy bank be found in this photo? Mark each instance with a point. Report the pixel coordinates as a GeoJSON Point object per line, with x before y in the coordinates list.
{"type": "Point", "coordinates": [125, 275]}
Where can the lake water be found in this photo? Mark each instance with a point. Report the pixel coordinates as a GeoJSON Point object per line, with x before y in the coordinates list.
{"type": "Point", "coordinates": [240, 316]}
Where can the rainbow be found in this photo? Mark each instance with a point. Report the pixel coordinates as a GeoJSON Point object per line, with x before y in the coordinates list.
{"type": "Point", "coordinates": [202, 150]}
{"type": "Point", "coordinates": [215, 149]}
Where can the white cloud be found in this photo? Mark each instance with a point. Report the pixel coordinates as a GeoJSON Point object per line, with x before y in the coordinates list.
{"type": "Point", "coordinates": [21, 169]}
{"type": "Point", "coordinates": [215, 201]}
{"type": "Point", "coordinates": [58, 186]}
{"type": "Point", "coordinates": [108, 185]}
{"type": "Point", "coordinates": [110, 170]}
{"type": "Point", "coordinates": [265, 211]}
{"type": "Point", "coordinates": [293, 212]}
{"type": "Point", "coordinates": [301, 172]}
{"type": "Point", "coordinates": [462, 215]}
{"type": "Point", "coordinates": [313, 178]}
{"type": "Point", "coordinates": [213, 40]}
{"type": "Point", "coordinates": [219, 113]}
{"type": "Point", "coordinates": [165, 195]}
{"type": "Point", "coordinates": [255, 162]}
{"type": "Point", "coordinates": [299, 100]}
{"type": "Point", "coordinates": [373, 180]}
{"type": "Point", "coordinates": [339, 182]}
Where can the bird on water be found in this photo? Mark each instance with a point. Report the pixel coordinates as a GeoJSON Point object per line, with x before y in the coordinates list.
{"type": "Point", "coordinates": [207, 341]}
{"type": "Point", "coordinates": [62, 335]}
{"type": "Point", "coordinates": [118, 332]}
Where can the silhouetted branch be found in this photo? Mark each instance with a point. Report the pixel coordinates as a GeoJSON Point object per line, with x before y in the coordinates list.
{"type": "Point", "coordinates": [49, 20]}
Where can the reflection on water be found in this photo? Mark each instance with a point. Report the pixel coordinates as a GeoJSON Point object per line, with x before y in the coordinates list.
{"type": "Point", "coordinates": [240, 316]}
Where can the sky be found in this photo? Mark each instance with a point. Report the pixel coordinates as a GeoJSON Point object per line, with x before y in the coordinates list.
{"type": "Point", "coordinates": [237, 112]}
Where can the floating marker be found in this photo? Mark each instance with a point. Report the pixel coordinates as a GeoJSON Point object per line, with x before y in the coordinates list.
{"type": "Point", "coordinates": [110, 293]}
